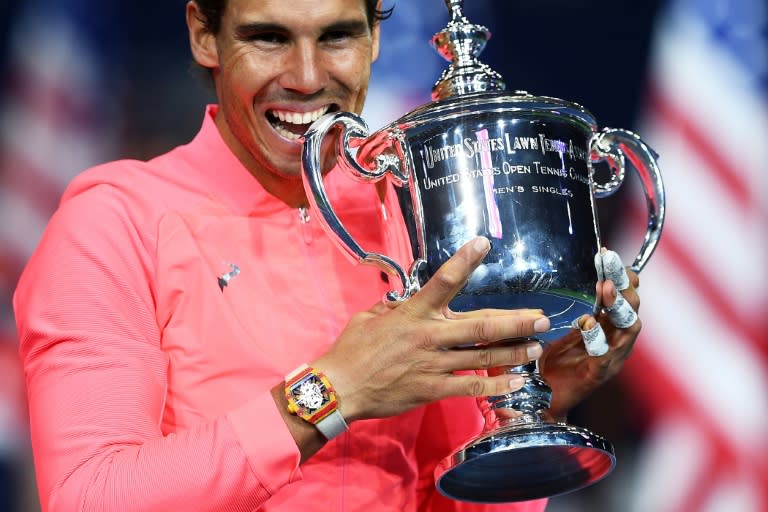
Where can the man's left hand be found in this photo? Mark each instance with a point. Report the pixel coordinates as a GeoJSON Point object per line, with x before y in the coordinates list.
{"type": "Point", "coordinates": [567, 367]}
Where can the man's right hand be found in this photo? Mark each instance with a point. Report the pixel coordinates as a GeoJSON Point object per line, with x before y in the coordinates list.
{"type": "Point", "coordinates": [390, 359]}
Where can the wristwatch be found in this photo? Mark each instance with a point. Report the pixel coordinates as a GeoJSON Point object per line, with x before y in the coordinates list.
{"type": "Point", "coordinates": [312, 398]}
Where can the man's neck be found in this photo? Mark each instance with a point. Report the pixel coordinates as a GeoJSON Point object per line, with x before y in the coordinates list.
{"type": "Point", "coordinates": [288, 190]}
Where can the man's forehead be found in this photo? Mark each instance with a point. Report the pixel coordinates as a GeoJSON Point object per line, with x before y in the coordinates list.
{"type": "Point", "coordinates": [298, 10]}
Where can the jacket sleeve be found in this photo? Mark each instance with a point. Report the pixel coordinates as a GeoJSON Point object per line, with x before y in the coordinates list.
{"type": "Point", "coordinates": [96, 380]}
{"type": "Point", "coordinates": [446, 426]}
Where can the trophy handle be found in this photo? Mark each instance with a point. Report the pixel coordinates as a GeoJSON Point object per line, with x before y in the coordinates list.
{"type": "Point", "coordinates": [354, 132]}
{"type": "Point", "coordinates": [614, 146]}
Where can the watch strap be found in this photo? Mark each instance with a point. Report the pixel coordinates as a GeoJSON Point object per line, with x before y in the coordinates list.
{"type": "Point", "coordinates": [332, 425]}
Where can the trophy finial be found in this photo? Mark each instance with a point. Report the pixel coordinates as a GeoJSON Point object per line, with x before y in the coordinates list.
{"type": "Point", "coordinates": [455, 8]}
{"type": "Point", "coordinates": [460, 42]}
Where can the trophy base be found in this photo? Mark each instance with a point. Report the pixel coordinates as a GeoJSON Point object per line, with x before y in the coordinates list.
{"type": "Point", "coordinates": [519, 463]}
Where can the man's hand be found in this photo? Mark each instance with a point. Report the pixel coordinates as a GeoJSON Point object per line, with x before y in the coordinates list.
{"type": "Point", "coordinates": [567, 367]}
{"type": "Point", "coordinates": [390, 359]}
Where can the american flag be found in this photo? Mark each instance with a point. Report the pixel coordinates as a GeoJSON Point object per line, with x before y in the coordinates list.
{"type": "Point", "coordinates": [56, 119]}
{"type": "Point", "coordinates": [701, 364]}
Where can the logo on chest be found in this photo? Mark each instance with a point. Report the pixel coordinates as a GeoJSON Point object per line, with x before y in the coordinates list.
{"type": "Point", "coordinates": [225, 278]}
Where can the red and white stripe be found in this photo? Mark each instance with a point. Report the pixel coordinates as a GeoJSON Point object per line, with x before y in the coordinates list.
{"type": "Point", "coordinates": [51, 127]}
{"type": "Point", "coordinates": [702, 359]}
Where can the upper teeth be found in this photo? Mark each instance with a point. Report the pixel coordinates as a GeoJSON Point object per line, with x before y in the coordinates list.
{"type": "Point", "coordinates": [299, 117]}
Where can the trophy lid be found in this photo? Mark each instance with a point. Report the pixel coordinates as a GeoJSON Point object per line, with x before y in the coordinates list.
{"type": "Point", "coordinates": [468, 85]}
{"type": "Point", "coordinates": [502, 103]}
{"type": "Point", "coordinates": [460, 42]}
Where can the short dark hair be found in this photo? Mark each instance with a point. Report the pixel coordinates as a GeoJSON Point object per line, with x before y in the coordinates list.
{"type": "Point", "coordinates": [213, 10]}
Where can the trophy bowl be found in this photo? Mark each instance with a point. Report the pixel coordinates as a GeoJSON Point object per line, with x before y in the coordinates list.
{"type": "Point", "coordinates": [518, 169]}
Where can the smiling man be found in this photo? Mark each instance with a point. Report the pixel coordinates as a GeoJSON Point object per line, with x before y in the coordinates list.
{"type": "Point", "coordinates": [193, 341]}
{"type": "Point", "coordinates": [276, 68]}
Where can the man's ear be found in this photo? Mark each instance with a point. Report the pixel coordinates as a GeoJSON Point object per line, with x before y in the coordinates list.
{"type": "Point", "coordinates": [201, 41]}
{"type": "Point", "coordinates": [376, 37]}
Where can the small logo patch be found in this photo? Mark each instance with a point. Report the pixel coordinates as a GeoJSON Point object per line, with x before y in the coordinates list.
{"type": "Point", "coordinates": [224, 279]}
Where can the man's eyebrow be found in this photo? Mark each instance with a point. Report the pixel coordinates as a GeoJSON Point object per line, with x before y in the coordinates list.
{"type": "Point", "coordinates": [353, 26]}
{"type": "Point", "coordinates": [255, 27]}
{"type": "Point", "coordinates": [258, 27]}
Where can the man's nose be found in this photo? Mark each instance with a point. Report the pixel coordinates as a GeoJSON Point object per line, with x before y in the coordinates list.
{"type": "Point", "coordinates": [306, 72]}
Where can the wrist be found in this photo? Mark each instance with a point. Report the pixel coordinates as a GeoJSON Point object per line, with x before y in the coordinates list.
{"type": "Point", "coordinates": [345, 387]}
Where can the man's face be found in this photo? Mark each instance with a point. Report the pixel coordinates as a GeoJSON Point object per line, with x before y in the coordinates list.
{"type": "Point", "coordinates": [280, 64]}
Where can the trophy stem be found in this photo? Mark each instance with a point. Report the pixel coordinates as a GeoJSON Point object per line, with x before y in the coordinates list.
{"type": "Point", "coordinates": [521, 454]}
{"type": "Point", "coordinates": [523, 404]}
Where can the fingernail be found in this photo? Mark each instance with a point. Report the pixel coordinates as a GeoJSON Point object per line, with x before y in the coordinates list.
{"type": "Point", "coordinates": [482, 244]}
{"type": "Point", "coordinates": [584, 323]}
{"type": "Point", "coordinates": [534, 351]}
{"type": "Point", "coordinates": [516, 382]}
{"type": "Point", "coordinates": [541, 324]}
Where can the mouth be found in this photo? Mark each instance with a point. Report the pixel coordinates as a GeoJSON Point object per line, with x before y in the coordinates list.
{"type": "Point", "coordinates": [292, 125]}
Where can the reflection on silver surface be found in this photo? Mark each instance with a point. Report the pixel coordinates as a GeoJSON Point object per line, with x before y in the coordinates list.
{"type": "Point", "coordinates": [517, 169]}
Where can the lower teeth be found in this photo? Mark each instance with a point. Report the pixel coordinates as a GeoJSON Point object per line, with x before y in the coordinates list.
{"type": "Point", "coordinates": [286, 133]}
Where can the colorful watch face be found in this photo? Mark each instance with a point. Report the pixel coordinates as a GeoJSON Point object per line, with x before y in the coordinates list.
{"type": "Point", "coordinates": [310, 398]}
{"type": "Point", "coordinates": [310, 394]}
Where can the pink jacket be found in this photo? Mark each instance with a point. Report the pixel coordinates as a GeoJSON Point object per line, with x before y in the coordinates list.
{"type": "Point", "coordinates": [148, 381]}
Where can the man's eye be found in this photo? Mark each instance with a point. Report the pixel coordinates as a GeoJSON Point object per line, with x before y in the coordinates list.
{"type": "Point", "coordinates": [268, 37]}
{"type": "Point", "coordinates": [338, 35]}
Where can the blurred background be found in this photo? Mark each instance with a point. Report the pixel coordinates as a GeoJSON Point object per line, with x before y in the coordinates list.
{"type": "Point", "coordinates": [85, 81]}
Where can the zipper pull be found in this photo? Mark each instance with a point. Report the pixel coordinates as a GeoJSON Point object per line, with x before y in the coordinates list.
{"type": "Point", "coordinates": [306, 229]}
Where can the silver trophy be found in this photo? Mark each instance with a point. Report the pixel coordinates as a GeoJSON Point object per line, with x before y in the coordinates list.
{"type": "Point", "coordinates": [517, 169]}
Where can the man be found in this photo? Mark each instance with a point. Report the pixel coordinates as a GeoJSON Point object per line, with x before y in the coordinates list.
{"type": "Point", "coordinates": [172, 304]}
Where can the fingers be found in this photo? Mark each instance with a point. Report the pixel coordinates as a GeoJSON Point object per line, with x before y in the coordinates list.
{"type": "Point", "coordinates": [482, 326]}
{"type": "Point", "coordinates": [481, 386]}
{"type": "Point", "coordinates": [486, 329]}
{"type": "Point", "coordinates": [484, 313]}
{"type": "Point", "coordinates": [451, 276]}
{"type": "Point", "coordinates": [610, 268]}
{"type": "Point", "coordinates": [621, 314]}
{"type": "Point", "coordinates": [490, 356]}
{"type": "Point", "coordinates": [593, 335]}
{"type": "Point", "coordinates": [615, 292]}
